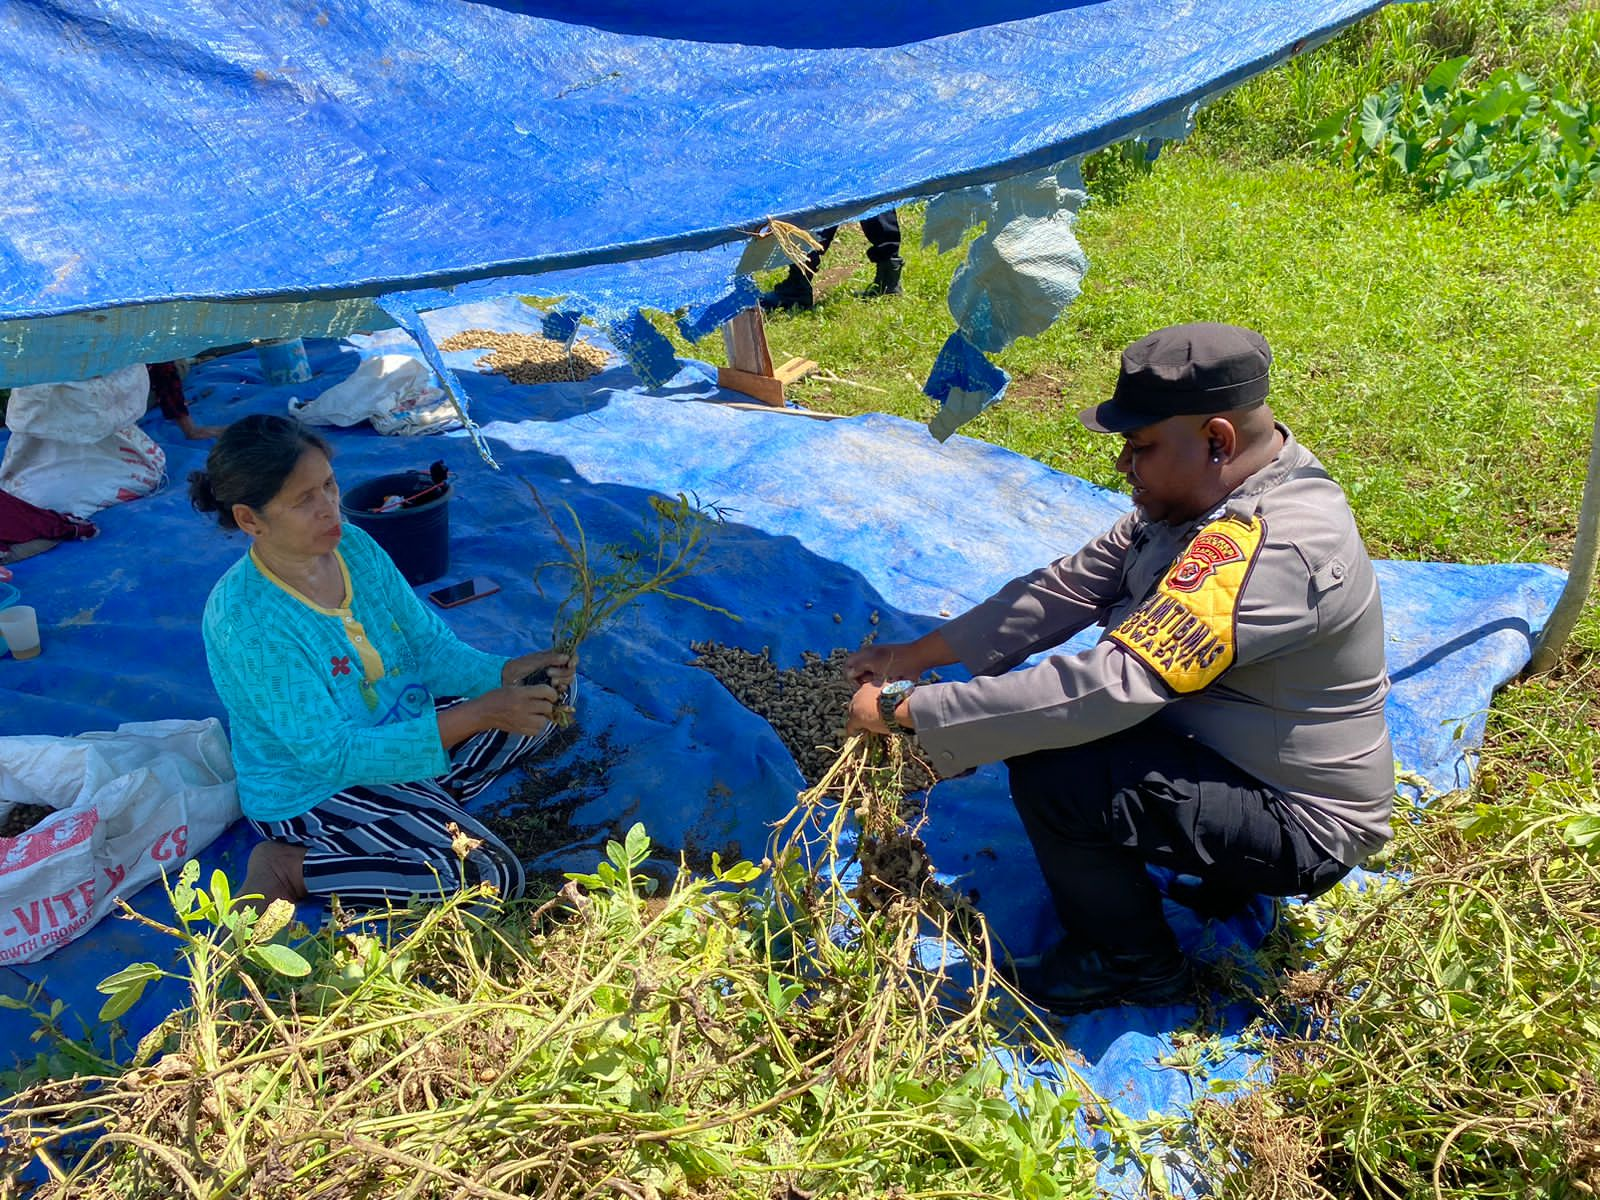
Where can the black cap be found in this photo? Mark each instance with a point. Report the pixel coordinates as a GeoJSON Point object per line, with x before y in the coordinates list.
{"type": "Point", "coordinates": [1184, 369]}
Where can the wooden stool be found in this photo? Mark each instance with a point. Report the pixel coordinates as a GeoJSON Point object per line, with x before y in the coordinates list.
{"type": "Point", "coordinates": [750, 361]}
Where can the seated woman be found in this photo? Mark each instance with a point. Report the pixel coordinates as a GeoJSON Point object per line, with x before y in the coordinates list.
{"type": "Point", "coordinates": [360, 723]}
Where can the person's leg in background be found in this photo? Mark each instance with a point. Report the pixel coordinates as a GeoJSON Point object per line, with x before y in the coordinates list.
{"type": "Point", "coordinates": [166, 389]}
{"type": "Point", "coordinates": [794, 290]}
{"type": "Point", "coordinates": [883, 252]}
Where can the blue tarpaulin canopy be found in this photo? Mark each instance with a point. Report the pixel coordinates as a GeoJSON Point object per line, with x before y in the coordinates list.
{"type": "Point", "coordinates": [186, 173]}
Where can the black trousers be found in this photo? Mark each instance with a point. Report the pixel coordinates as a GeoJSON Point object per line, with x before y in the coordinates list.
{"type": "Point", "coordinates": [1097, 813]}
{"type": "Point", "coordinates": [883, 238]}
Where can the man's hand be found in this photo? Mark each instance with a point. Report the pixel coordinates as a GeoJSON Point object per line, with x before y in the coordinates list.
{"type": "Point", "coordinates": [879, 664]}
{"type": "Point", "coordinates": [864, 714]}
{"type": "Point", "coordinates": [563, 668]}
{"type": "Point", "coordinates": [899, 660]}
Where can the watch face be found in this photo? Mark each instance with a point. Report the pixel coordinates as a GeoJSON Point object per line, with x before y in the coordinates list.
{"type": "Point", "coordinates": [897, 687]}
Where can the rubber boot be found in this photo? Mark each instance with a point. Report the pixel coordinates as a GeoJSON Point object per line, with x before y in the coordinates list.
{"type": "Point", "coordinates": [1070, 979]}
{"type": "Point", "coordinates": [887, 280]}
{"type": "Point", "coordinates": [793, 291]}
{"type": "Point", "coordinates": [1209, 898]}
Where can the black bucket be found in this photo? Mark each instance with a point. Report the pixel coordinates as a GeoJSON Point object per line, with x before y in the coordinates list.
{"type": "Point", "coordinates": [417, 537]}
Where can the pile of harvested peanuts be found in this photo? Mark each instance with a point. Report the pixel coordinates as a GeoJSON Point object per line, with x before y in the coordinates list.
{"type": "Point", "coordinates": [529, 358]}
{"type": "Point", "coordinates": [21, 818]}
{"type": "Point", "coordinates": [805, 705]}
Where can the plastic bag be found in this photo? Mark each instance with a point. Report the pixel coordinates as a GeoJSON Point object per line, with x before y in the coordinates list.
{"type": "Point", "coordinates": [81, 479]}
{"type": "Point", "coordinates": [393, 391]}
{"type": "Point", "coordinates": [81, 412]}
{"type": "Point", "coordinates": [129, 804]}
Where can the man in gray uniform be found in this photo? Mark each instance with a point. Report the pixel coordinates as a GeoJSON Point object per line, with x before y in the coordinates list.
{"type": "Point", "coordinates": [1228, 724]}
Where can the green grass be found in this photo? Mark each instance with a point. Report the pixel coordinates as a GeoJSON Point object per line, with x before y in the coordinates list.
{"type": "Point", "coordinates": [1441, 362]}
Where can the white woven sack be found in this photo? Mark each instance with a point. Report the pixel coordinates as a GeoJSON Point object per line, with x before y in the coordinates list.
{"type": "Point", "coordinates": [129, 804]}
{"type": "Point", "coordinates": [82, 479]}
{"type": "Point", "coordinates": [83, 411]}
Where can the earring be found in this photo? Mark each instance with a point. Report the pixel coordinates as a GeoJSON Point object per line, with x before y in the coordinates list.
{"type": "Point", "coordinates": [1216, 458]}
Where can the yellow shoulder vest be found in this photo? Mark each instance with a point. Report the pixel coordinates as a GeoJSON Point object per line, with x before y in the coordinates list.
{"type": "Point", "coordinates": [1185, 631]}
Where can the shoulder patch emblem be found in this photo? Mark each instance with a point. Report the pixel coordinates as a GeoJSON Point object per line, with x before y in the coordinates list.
{"type": "Point", "coordinates": [1209, 550]}
{"type": "Point", "coordinates": [1185, 632]}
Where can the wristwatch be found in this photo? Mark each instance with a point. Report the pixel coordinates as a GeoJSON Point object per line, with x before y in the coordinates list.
{"type": "Point", "coordinates": [889, 699]}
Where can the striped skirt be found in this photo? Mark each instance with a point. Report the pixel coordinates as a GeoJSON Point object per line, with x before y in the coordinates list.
{"type": "Point", "coordinates": [385, 843]}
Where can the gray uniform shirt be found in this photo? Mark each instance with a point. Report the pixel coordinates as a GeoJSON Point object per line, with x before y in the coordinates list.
{"type": "Point", "coordinates": [1298, 705]}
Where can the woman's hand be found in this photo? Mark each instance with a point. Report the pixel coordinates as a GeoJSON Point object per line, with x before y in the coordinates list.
{"type": "Point", "coordinates": [563, 668]}
{"type": "Point", "coordinates": [517, 709]}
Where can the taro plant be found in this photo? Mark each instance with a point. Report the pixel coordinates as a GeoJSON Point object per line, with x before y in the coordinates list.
{"type": "Point", "coordinates": [1507, 137]}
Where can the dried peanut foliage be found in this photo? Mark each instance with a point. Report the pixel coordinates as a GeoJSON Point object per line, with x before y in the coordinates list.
{"type": "Point", "coordinates": [806, 707]}
{"type": "Point", "coordinates": [750, 1033]}
{"type": "Point", "coordinates": [528, 358]}
{"type": "Point", "coordinates": [1445, 1040]}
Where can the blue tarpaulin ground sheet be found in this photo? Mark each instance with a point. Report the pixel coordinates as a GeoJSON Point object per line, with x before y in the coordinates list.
{"type": "Point", "coordinates": [218, 160]}
{"type": "Point", "coordinates": [829, 522]}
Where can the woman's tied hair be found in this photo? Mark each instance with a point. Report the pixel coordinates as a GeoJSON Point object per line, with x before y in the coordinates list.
{"type": "Point", "coordinates": [249, 463]}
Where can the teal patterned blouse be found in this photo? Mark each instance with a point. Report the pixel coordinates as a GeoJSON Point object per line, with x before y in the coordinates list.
{"type": "Point", "coordinates": [320, 699]}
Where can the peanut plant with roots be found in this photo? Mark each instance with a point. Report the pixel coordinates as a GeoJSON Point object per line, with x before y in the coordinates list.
{"type": "Point", "coordinates": [767, 1029]}
{"type": "Point", "coordinates": [604, 580]}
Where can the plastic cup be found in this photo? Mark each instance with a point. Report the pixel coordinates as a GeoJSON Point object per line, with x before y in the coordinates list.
{"type": "Point", "coordinates": [19, 625]}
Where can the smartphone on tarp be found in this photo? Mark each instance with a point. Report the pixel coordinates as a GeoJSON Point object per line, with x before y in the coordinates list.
{"type": "Point", "coordinates": [464, 592]}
